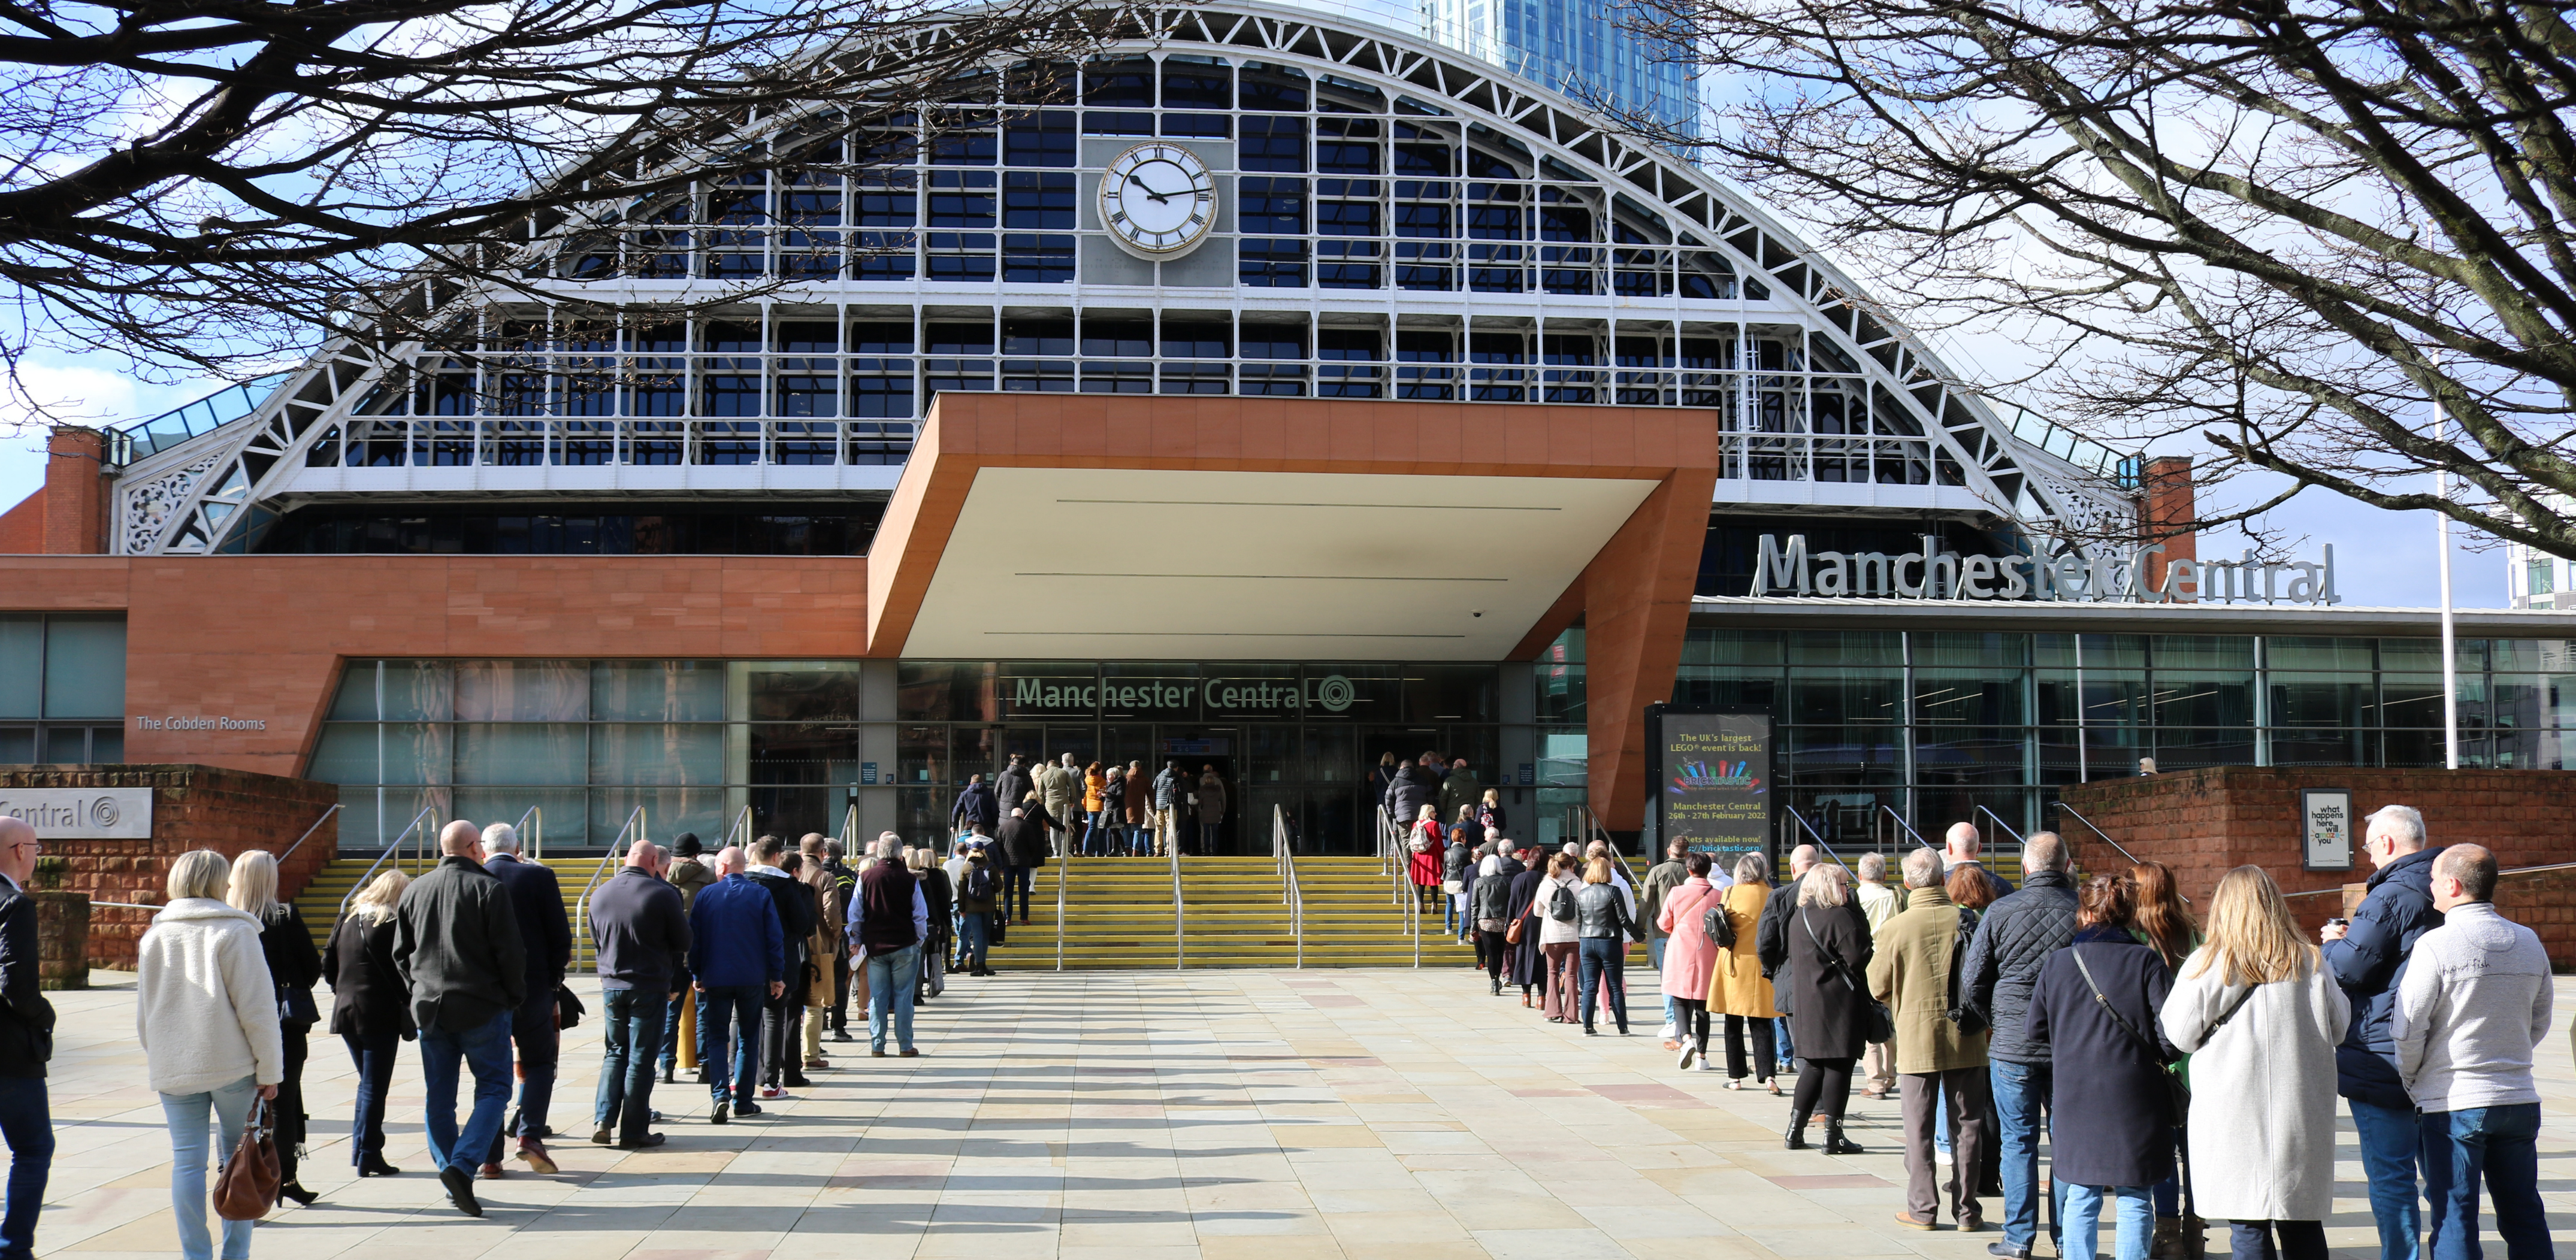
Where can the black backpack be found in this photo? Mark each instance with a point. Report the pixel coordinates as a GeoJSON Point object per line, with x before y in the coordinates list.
{"type": "Point", "coordinates": [1560, 905]}
{"type": "Point", "coordinates": [979, 882]}
{"type": "Point", "coordinates": [1970, 1021]}
{"type": "Point", "coordinates": [1718, 924]}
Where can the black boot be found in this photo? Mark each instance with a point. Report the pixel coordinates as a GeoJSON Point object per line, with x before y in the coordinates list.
{"type": "Point", "coordinates": [1796, 1138]}
{"type": "Point", "coordinates": [1498, 988]}
{"type": "Point", "coordinates": [1837, 1144]}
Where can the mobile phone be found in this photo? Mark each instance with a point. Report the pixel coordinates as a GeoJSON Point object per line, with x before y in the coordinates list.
{"type": "Point", "coordinates": [2338, 921]}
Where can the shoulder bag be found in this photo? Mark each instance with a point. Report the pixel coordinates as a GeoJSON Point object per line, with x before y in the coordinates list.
{"type": "Point", "coordinates": [1716, 923]}
{"type": "Point", "coordinates": [2177, 1089]}
{"type": "Point", "coordinates": [1876, 1023]}
{"type": "Point", "coordinates": [247, 1187]}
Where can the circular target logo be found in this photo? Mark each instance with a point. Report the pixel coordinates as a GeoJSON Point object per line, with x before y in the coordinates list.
{"type": "Point", "coordinates": [1335, 693]}
{"type": "Point", "coordinates": [103, 812]}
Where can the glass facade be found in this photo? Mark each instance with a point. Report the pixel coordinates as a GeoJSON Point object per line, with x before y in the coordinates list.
{"type": "Point", "coordinates": [62, 688]}
{"type": "Point", "coordinates": [693, 743]}
{"type": "Point", "coordinates": [1930, 726]}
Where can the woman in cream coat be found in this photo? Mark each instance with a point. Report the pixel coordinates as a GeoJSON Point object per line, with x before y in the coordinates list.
{"type": "Point", "coordinates": [206, 1013]}
{"type": "Point", "coordinates": [2260, 1018]}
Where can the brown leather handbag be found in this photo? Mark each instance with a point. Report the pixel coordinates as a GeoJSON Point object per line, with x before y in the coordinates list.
{"type": "Point", "coordinates": [247, 1187]}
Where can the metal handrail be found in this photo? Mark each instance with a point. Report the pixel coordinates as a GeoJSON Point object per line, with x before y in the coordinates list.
{"type": "Point", "coordinates": [1063, 875]}
{"type": "Point", "coordinates": [2312, 892]}
{"type": "Point", "coordinates": [1180, 947]}
{"type": "Point", "coordinates": [290, 849]}
{"type": "Point", "coordinates": [849, 829]}
{"type": "Point", "coordinates": [1391, 855]}
{"type": "Point", "coordinates": [390, 849]}
{"type": "Point", "coordinates": [532, 832]}
{"type": "Point", "coordinates": [2106, 836]}
{"type": "Point", "coordinates": [581, 905]}
{"type": "Point", "coordinates": [1819, 838]}
{"type": "Point", "coordinates": [1890, 811]}
{"type": "Point", "coordinates": [740, 826]}
{"type": "Point", "coordinates": [1289, 892]}
{"type": "Point", "coordinates": [1999, 822]}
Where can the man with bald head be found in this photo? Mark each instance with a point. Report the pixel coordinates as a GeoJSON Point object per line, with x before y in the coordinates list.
{"type": "Point", "coordinates": [26, 1043]}
{"type": "Point", "coordinates": [457, 948]}
{"type": "Point", "coordinates": [1961, 848]}
{"type": "Point", "coordinates": [641, 937]}
{"type": "Point", "coordinates": [738, 959]}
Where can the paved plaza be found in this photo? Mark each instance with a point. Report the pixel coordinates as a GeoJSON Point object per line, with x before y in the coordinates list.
{"type": "Point", "coordinates": [1280, 1115]}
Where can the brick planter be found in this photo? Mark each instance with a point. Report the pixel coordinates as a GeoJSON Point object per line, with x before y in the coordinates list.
{"type": "Point", "coordinates": [193, 807]}
{"type": "Point", "coordinates": [2204, 823]}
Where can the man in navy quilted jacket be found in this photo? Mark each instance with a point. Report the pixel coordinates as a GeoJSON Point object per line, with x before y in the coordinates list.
{"type": "Point", "coordinates": [2368, 959]}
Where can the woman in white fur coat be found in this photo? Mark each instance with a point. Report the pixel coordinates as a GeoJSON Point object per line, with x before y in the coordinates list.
{"type": "Point", "coordinates": [2260, 1018]}
{"type": "Point", "coordinates": [207, 1017]}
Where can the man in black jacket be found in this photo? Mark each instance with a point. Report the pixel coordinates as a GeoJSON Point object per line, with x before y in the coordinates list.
{"type": "Point", "coordinates": [536, 901]}
{"type": "Point", "coordinates": [2368, 958]}
{"type": "Point", "coordinates": [781, 1055]}
{"type": "Point", "coordinates": [641, 937]}
{"type": "Point", "coordinates": [1771, 931]}
{"type": "Point", "coordinates": [1024, 850]}
{"type": "Point", "coordinates": [2014, 939]}
{"type": "Point", "coordinates": [26, 1044]}
{"type": "Point", "coordinates": [457, 948]}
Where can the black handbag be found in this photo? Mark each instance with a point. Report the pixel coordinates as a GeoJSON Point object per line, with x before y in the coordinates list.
{"type": "Point", "coordinates": [568, 1009]}
{"type": "Point", "coordinates": [1877, 1024]}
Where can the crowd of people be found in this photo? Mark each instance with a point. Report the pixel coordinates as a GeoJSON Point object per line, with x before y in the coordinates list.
{"type": "Point", "coordinates": [1088, 811]}
{"type": "Point", "coordinates": [2182, 1063]}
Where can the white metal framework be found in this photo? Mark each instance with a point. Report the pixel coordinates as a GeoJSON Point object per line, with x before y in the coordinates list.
{"type": "Point", "coordinates": [1397, 221]}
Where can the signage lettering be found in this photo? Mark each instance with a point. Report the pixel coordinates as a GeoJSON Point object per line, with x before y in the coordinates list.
{"type": "Point", "coordinates": [218, 722]}
{"type": "Point", "coordinates": [82, 813]}
{"type": "Point", "coordinates": [1331, 693]}
{"type": "Point", "coordinates": [2105, 576]}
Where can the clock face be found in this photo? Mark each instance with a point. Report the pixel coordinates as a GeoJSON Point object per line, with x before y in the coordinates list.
{"type": "Point", "coordinates": [1158, 200]}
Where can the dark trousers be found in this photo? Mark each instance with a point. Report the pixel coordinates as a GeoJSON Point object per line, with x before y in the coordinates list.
{"type": "Point", "coordinates": [1692, 1022]}
{"type": "Point", "coordinates": [730, 1013]}
{"type": "Point", "coordinates": [1966, 1091]}
{"type": "Point", "coordinates": [540, 1043]}
{"type": "Point", "coordinates": [1765, 1054]}
{"type": "Point", "coordinates": [2300, 1240]}
{"type": "Point", "coordinates": [1823, 1088]}
{"type": "Point", "coordinates": [26, 1122]}
{"type": "Point", "coordinates": [1605, 972]}
{"type": "Point", "coordinates": [1494, 953]}
{"type": "Point", "coordinates": [1016, 882]}
{"type": "Point", "coordinates": [373, 1056]}
{"type": "Point", "coordinates": [840, 992]}
{"type": "Point", "coordinates": [630, 1041]}
{"type": "Point", "coordinates": [2494, 1145]}
{"type": "Point", "coordinates": [289, 1107]}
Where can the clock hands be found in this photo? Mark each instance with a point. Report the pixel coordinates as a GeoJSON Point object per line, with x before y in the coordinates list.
{"type": "Point", "coordinates": [1131, 178]}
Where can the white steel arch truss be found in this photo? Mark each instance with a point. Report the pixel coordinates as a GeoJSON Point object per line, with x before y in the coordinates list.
{"type": "Point", "coordinates": [214, 493]}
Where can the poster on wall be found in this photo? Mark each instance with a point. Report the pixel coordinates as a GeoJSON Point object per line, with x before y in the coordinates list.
{"type": "Point", "coordinates": [2325, 829]}
{"type": "Point", "coordinates": [1708, 779]}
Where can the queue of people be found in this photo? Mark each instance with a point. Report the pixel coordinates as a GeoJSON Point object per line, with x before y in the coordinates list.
{"type": "Point", "coordinates": [1095, 811]}
{"type": "Point", "coordinates": [2181, 1063]}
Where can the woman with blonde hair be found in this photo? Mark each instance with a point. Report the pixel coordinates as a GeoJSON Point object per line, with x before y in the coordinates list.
{"type": "Point", "coordinates": [370, 1010]}
{"type": "Point", "coordinates": [1605, 921]}
{"type": "Point", "coordinates": [1736, 987]}
{"type": "Point", "coordinates": [206, 1015]}
{"type": "Point", "coordinates": [2260, 1018]}
{"type": "Point", "coordinates": [292, 962]}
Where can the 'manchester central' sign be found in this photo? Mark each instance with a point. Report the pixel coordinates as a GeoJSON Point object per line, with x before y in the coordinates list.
{"type": "Point", "coordinates": [2106, 575]}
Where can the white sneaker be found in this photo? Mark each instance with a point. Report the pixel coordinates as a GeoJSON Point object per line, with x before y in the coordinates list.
{"type": "Point", "coordinates": [1940, 1158]}
{"type": "Point", "coordinates": [1670, 1032]}
{"type": "Point", "coordinates": [1705, 1065]}
{"type": "Point", "coordinates": [1690, 1051]}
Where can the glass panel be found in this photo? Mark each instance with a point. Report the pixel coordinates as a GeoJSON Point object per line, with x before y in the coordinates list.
{"type": "Point", "coordinates": [22, 668]}
{"type": "Point", "coordinates": [661, 754]}
{"type": "Point", "coordinates": [1835, 754]}
{"type": "Point", "coordinates": [85, 667]}
{"type": "Point", "coordinates": [667, 812]}
{"type": "Point", "coordinates": [1332, 754]}
{"type": "Point", "coordinates": [17, 745]}
{"type": "Point", "coordinates": [1449, 693]}
{"type": "Point", "coordinates": [1129, 745]}
{"type": "Point", "coordinates": [804, 752]}
{"type": "Point", "coordinates": [1971, 756]}
{"type": "Point", "coordinates": [1254, 691]}
{"type": "Point", "coordinates": [2196, 651]}
{"type": "Point", "coordinates": [1971, 649]}
{"type": "Point", "coordinates": [2100, 651]}
{"type": "Point", "coordinates": [106, 744]}
{"type": "Point", "coordinates": [657, 691]}
{"type": "Point", "coordinates": [355, 701]}
{"type": "Point", "coordinates": [1706, 684]}
{"type": "Point", "coordinates": [418, 691]}
{"type": "Point", "coordinates": [2324, 748]}
{"type": "Point", "coordinates": [1361, 692]}
{"type": "Point", "coordinates": [1274, 760]}
{"type": "Point", "coordinates": [945, 691]}
{"type": "Point", "coordinates": [1957, 697]}
{"type": "Point", "coordinates": [2424, 656]}
{"type": "Point", "coordinates": [2198, 698]}
{"type": "Point", "coordinates": [1847, 647]}
{"type": "Point", "coordinates": [921, 757]}
{"type": "Point", "coordinates": [2283, 652]}
{"type": "Point", "coordinates": [66, 745]}
{"type": "Point", "coordinates": [1847, 696]}
{"type": "Point", "coordinates": [2410, 700]}
{"type": "Point", "coordinates": [2184, 748]}
{"type": "Point", "coordinates": [421, 752]}
{"type": "Point", "coordinates": [346, 753]}
{"type": "Point", "coordinates": [1731, 647]}
{"type": "Point", "coordinates": [2322, 700]}
{"type": "Point", "coordinates": [567, 811]}
{"type": "Point", "coordinates": [522, 752]}
{"type": "Point", "coordinates": [1049, 689]}
{"type": "Point", "coordinates": [2519, 656]}
{"type": "Point", "coordinates": [523, 691]}
{"type": "Point", "coordinates": [819, 692]}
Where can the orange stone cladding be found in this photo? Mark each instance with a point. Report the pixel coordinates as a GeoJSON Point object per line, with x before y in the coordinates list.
{"type": "Point", "coordinates": [2205, 823]}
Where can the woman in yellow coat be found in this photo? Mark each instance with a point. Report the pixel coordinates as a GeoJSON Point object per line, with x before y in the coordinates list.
{"type": "Point", "coordinates": [1736, 988]}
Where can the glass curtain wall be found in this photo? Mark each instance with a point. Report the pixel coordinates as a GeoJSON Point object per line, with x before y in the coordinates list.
{"type": "Point", "coordinates": [62, 689]}
{"type": "Point", "coordinates": [1933, 727]}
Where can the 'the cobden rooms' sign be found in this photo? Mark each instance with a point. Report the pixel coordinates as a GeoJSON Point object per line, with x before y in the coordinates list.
{"type": "Point", "coordinates": [2106, 575]}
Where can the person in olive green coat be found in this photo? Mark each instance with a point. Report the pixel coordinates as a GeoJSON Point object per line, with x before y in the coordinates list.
{"type": "Point", "coordinates": [1911, 972]}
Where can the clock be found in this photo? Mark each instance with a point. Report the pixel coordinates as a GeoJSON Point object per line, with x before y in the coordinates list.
{"type": "Point", "coordinates": [1157, 201]}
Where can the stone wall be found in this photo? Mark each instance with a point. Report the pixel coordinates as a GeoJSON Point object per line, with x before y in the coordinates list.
{"type": "Point", "coordinates": [193, 807]}
{"type": "Point", "coordinates": [2204, 823]}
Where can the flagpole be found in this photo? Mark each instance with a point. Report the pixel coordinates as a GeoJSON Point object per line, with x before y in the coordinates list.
{"type": "Point", "coordinates": [2450, 644]}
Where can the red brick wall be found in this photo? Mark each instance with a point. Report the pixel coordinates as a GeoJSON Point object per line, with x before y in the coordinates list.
{"type": "Point", "coordinates": [193, 807]}
{"type": "Point", "coordinates": [75, 491]}
{"type": "Point", "coordinates": [2204, 823]}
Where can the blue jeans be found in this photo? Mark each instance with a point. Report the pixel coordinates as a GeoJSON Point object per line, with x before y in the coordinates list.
{"type": "Point", "coordinates": [2021, 1095]}
{"type": "Point", "coordinates": [188, 1155]}
{"type": "Point", "coordinates": [2390, 1151]}
{"type": "Point", "coordinates": [26, 1121]}
{"type": "Point", "coordinates": [671, 1026]}
{"type": "Point", "coordinates": [1140, 842]}
{"type": "Point", "coordinates": [485, 1049]}
{"type": "Point", "coordinates": [735, 1009]}
{"type": "Point", "coordinates": [890, 978]}
{"type": "Point", "coordinates": [540, 1049]}
{"type": "Point", "coordinates": [373, 1056]}
{"type": "Point", "coordinates": [630, 1041]}
{"type": "Point", "coordinates": [974, 941]}
{"type": "Point", "coordinates": [1604, 959]}
{"type": "Point", "coordinates": [2493, 1144]}
{"type": "Point", "coordinates": [1016, 881]}
{"type": "Point", "coordinates": [2082, 1234]}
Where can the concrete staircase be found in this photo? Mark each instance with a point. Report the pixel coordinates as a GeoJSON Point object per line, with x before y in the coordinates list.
{"type": "Point", "coordinates": [1118, 914]}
